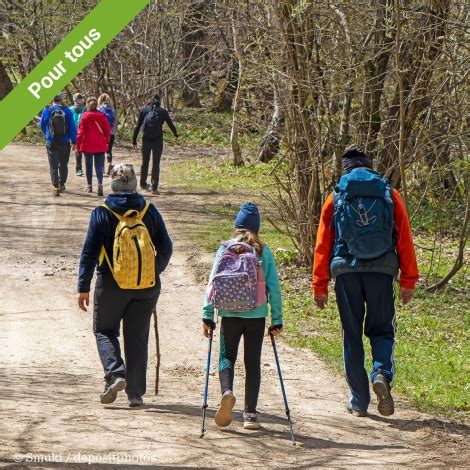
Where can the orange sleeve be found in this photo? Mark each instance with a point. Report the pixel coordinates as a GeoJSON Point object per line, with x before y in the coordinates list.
{"type": "Point", "coordinates": [323, 249]}
{"type": "Point", "coordinates": [409, 274]}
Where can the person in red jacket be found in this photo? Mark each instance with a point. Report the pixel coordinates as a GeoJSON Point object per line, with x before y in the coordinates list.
{"type": "Point", "coordinates": [93, 139]}
{"type": "Point", "coordinates": [364, 287]}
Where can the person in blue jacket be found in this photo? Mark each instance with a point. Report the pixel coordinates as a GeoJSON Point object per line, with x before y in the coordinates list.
{"type": "Point", "coordinates": [58, 126]}
{"type": "Point", "coordinates": [113, 304]}
{"type": "Point", "coordinates": [249, 324]}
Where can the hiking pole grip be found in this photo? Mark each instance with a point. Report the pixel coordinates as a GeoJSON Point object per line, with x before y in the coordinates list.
{"type": "Point", "coordinates": [278, 365]}
{"type": "Point", "coordinates": [206, 385]}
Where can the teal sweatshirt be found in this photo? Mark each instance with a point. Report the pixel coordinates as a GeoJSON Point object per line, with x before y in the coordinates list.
{"type": "Point", "coordinates": [272, 287]}
{"type": "Point", "coordinates": [77, 112]}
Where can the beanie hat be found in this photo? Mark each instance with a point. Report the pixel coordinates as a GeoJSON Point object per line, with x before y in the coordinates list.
{"type": "Point", "coordinates": [123, 179]}
{"type": "Point", "coordinates": [354, 157]}
{"type": "Point", "coordinates": [78, 99]}
{"type": "Point", "coordinates": [248, 217]}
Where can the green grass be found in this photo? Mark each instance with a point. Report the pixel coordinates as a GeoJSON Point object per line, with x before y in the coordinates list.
{"type": "Point", "coordinates": [433, 337]}
{"type": "Point", "coordinates": [211, 174]}
{"type": "Point", "coordinates": [209, 129]}
{"type": "Point", "coordinates": [432, 347]}
{"type": "Point", "coordinates": [196, 127]}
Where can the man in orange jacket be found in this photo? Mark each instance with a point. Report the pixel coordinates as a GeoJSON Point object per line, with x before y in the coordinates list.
{"type": "Point", "coordinates": [363, 241]}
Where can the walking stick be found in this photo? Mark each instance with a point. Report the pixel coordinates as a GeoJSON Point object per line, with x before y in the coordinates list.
{"type": "Point", "coordinates": [206, 386]}
{"type": "Point", "coordinates": [273, 342]}
{"type": "Point", "coordinates": [157, 341]}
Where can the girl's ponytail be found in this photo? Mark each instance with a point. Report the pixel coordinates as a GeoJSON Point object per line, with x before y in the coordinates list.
{"type": "Point", "coordinates": [250, 238]}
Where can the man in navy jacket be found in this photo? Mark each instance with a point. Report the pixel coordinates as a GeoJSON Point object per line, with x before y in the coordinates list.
{"type": "Point", "coordinates": [113, 304]}
{"type": "Point", "coordinates": [58, 148]}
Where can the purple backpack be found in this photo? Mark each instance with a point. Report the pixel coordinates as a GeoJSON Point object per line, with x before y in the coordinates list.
{"type": "Point", "coordinates": [234, 286]}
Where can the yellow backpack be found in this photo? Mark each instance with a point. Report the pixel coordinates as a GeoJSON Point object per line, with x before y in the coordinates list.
{"type": "Point", "coordinates": [133, 252]}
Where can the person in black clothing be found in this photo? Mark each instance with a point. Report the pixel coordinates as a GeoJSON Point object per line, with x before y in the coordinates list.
{"type": "Point", "coordinates": [112, 303]}
{"type": "Point", "coordinates": [151, 120]}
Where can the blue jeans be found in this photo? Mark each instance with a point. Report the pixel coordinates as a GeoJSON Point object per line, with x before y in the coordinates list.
{"type": "Point", "coordinates": [366, 303]}
{"type": "Point", "coordinates": [99, 167]}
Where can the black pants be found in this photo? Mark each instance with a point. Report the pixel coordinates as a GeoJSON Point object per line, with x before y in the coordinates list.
{"type": "Point", "coordinates": [78, 161]}
{"type": "Point", "coordinates": [231, 331]}
{"type": "Point", "coordinates": [366, 304]}
{"type": "Point", "coordinates": [58, 154]}
{"type": "Point", "coordinates": [154, 147]}
{"type": "Point", "coordinates": [134, 307]}
{"type": "Point", "coordinates": [109, 153]}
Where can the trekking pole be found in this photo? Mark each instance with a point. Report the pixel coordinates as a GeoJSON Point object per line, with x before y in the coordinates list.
{"type": "Point", "coordinates": [206, 387]}
{"type": "Point", "coordinates": [157, 347]}
{"type": "Point", "coordinates": [273, 342]}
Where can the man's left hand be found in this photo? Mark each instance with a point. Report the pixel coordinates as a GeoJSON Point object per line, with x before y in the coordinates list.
{"type": "Point", "coordinates": [320, 300]}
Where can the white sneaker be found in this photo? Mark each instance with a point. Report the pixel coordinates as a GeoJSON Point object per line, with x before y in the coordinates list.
{"type": "Point", "coordinates": [135, 402]}
{"type": "Point", "coordinates": [250, 421]}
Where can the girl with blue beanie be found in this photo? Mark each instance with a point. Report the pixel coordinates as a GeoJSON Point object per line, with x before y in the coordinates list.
{"type": "Point", "coordinates": [249, 324]}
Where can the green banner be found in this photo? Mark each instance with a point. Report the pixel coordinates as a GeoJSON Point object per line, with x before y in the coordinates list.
{"type": "Point", "coordinates": [64, 63]}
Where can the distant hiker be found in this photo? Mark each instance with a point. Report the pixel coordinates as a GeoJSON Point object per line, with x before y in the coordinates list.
{"type": "Point", "coordinates": [363, 240]}
{"type": "Point", "coordinates": [78, 109]}
{"type": "Point", "coordinates": [243, 311]}
{"type": "Point", "coordinates": [151, 120]}
{"type": "Point", "coordinates": [128, 242]}
{"type": "Point", "coordinates": [105, 105]}
{"type": "Point", "coordinates": [58, 126]}
{"type": "Point", "coordinates": [93, 140]}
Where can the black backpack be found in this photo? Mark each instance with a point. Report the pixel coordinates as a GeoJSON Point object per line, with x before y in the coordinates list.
{"type": "Point", "coordinates": [58, 125]}
{"type": "Point", "coordinates": [152, 127]}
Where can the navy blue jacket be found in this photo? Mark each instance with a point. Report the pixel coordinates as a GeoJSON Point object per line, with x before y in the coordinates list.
{"type": "Point", "coordinates": [101, 232]}
{"type": "Point", "coordinates": [72, 128]}
{"type": "Point", "coordinates": [163, 117]}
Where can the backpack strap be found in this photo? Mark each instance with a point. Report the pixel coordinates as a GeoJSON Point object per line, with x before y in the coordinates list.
{"type": "Point", "coordinates": [103, 254]}
{"type": "Point", "coordinates": [143, 211]}
{"type": "Point", "coordinates": [118, 216]}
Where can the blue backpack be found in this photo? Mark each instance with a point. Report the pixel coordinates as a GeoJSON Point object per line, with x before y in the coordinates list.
{"type": "Point", "coordinates": [109, 113]}
{"type": "Point", "coordinates": [363, 215]}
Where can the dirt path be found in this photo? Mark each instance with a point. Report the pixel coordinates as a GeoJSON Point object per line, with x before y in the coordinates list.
{"type": "Point", "coordinates": [50, 375]}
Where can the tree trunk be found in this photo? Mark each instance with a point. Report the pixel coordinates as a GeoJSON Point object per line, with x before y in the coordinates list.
{"type": "Point", "coordinates": [234, 144]}
{"type": "Point", "coordinates": [417, 56]}
{"type": "Point", "coordinates": [5, 83]}
{"type": "Point", "coordinates": [193, 51]}
{"type": "Point", "coordinates": [375, 71]}
{"type": "Point", "coordinates": [272, 140]}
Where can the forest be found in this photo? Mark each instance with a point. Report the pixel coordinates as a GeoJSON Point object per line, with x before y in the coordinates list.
{"type": "Point", "coordinates": [307, 78]}
{"type": "Point", "coordinates": [280, 88]}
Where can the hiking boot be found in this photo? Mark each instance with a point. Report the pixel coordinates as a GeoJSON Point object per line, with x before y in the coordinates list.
{"type": "Point", "coordinates": [144, 186]}
{"type": "Point", "coordinates": [250, 421]}
{"type": "Point", "coordinates": [155, 191]}
{"type": "Point", "coordinates": [381, 388]}
{"type": "Point", "coordinates": [223, 417]}
{"type": "Point", "coordinates": [89, 189]}
{"type": "Point", "coordinates": [355, 411]}
{"type": "Point", "coordinates": [135, 402]}
{"type": "Point", "coordinates": [111, 390]}
{"type": "Point", "coordinates": [100, 190]}
{"type": "Point", "coordinates": [110, 167]}
{"type": "Point", "coordinates": [79, 172]}
{"type": "Point", "coordinates": [62, 188]}
{"type": "Point", "coordinates": [55, 190]}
